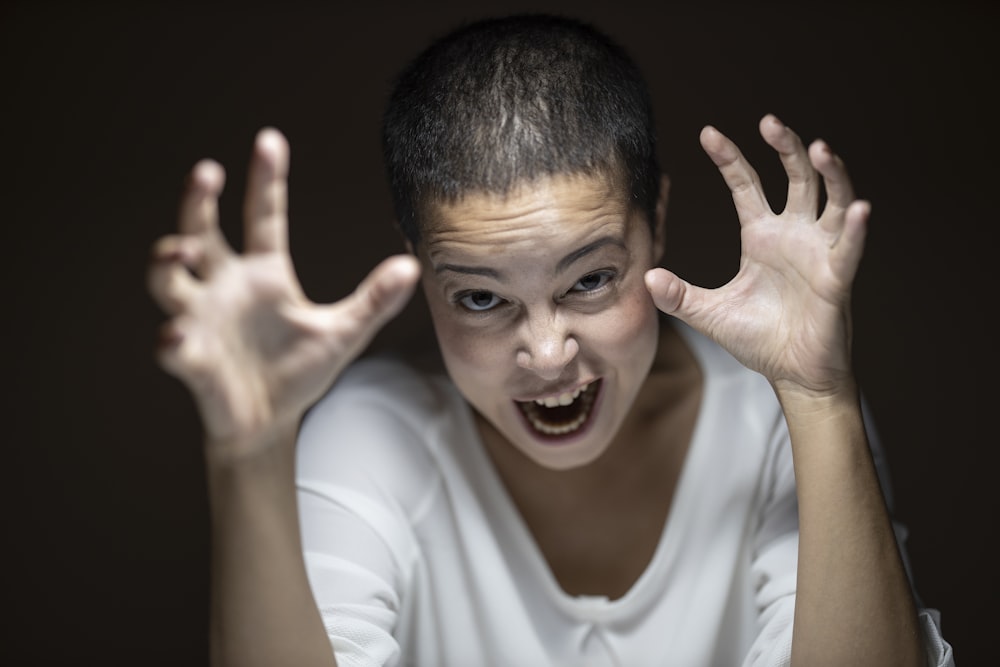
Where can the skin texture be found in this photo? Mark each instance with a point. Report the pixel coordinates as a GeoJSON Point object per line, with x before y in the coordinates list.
{"type": "Point", "coordinates": [255, 354]}
{"type": "Point", "coordinates": [539, 293]}
{"type": "Point", "coordinates": [786, 314]}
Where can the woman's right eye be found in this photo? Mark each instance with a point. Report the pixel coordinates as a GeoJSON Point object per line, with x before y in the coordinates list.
{"type": "Point", "coordinates": [478, 301]}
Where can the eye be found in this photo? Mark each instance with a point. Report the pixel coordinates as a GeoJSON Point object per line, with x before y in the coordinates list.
{"type": "Point", "coordinates": [593, 281]}
{"type": "Point", "coordinates": [478, 301]}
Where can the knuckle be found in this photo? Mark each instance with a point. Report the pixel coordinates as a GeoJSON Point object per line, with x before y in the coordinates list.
{"type": "Point", "coordinates": [374, 299]}
{"type": "Point", "coordinates": [166, 249]}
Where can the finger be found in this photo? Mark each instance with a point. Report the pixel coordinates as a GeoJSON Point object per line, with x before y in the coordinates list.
{"type": "Point", "coordinates": [677, 297]}
{"type": "Point", "coordinates": [849, 247]}
{"type": "Point", "coordinates": [743, 181]}
{"type": "Point", "coordinates": [839, 191]}
{"type": "Point", "coordinates": [667, 289]}
{"type": "Point", "coordinates": [199, 213]}
{"type": "Point", "coordinates": [170, 346]}
{"type": "Point", "coordinates": [182, 352]}
{"type": "Point", "coordinates": [379, 298]}
{"type": "Point", "coordinates": [384, 292]}
{"type": "Point", "coordinates": [266, 205]}
{"type": "Point", "coordinates": [169, 279]}
{"type": "Point", "coordinates": [803, 183]}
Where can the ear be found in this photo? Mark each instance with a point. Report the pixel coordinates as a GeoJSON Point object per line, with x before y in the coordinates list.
{"type": "Point", "coordinates": [660, 223]}
{"type": "Point", "coordinates": [406, 242]}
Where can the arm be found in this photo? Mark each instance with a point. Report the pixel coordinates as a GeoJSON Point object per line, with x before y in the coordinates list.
{"type": "Point", "coordinates": [255, 354]}
{"type": "Point", "coordinates": [849, 567]}
{"type": "Point", "coordinates": [786, 314]}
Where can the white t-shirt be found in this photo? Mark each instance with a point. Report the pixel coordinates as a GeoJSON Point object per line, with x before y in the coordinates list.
{"type": "Point", "coordinates": [417, 555]}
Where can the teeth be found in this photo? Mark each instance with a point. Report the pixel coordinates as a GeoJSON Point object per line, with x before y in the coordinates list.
{"type": "Point", "coordinates": [548, 429]}
{"type": "Point", "coordinates": [562, 399]}
{"type": "Point", "coordinates": [538, 420]}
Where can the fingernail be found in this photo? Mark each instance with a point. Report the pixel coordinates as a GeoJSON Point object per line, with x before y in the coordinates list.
{"type": "Point", "coordinates": [206, 174]}
{"type": "Point", "coordinates": [169, 338]}
{"type": "Point", "coordinates": [269, 140]}
{"type": "Point", "coordinates": [167, 257]}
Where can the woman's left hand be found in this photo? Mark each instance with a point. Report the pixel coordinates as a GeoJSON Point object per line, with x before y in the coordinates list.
{"type": "Point", "coordinates": [786, 313]}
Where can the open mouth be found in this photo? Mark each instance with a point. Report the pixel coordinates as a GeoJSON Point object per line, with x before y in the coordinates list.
{"type": "Point", "coordinates": [561, 416]}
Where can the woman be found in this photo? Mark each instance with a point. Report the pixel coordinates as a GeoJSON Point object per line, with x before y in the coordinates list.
{"type": "Point", "coordinates": [618, 467]}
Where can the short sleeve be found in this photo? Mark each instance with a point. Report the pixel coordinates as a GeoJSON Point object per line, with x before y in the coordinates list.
{"type": "Point", "coordinates": [775, 558]}
{"type": "Point", "coordinates": [774, 555]}
{"type": "Point", "coordinates": [361, 471]}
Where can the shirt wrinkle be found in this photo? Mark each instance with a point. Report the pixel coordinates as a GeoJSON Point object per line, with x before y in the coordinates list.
{"type": "Point", "coordinates": [464, 584]}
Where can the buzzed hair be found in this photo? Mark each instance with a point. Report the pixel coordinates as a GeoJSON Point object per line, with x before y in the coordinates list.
{"type": "Point", "coordinates": [501, 102]}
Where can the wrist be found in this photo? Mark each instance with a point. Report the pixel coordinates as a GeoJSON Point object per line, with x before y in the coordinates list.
{"type": "Point", "coordinates": [834, 399]}
{"type": "Point", "coordinates": [260, 448]}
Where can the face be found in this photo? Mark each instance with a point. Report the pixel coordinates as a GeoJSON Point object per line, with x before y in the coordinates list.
{"type": "Point", "coordinates": [541, 312]}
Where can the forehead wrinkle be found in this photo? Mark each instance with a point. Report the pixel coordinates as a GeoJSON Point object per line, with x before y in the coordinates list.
{"type": "Point", "coordinates": [483, 232]}
{"type": "Point", "coordinates": [538, 255]}
{"type": "Point", "coordinates": [588, 192]}
{"type": "Point", "coordinates": [492, 242]}
{"type": "Point", "coordinates": [477, 250]}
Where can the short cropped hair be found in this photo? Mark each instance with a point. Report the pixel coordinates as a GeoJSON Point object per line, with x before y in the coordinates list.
{"type": "Point", "coordinates": [501, 102]}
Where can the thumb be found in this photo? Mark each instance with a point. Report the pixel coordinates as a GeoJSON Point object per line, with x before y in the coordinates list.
{"type": "Point", "coordinates": [383, 293]}
{"type": "Point", "coordinates": [352, 322]}
{"type": "Point", "coordinates": [669, 292]}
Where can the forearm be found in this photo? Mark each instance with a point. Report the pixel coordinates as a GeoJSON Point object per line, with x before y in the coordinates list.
{"type": "Point", "coordinates": [262, 608]}
{"type": "Point", "coordinates": [853, 604]}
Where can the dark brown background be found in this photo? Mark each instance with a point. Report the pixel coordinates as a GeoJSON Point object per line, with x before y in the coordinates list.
{"type": "Point", "coordinates": [105, 107]}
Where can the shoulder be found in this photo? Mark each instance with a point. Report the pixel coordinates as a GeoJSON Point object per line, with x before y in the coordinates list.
{"type": "Point", "coordinates": [721, 370]}
{"type": "Point", "coordinates": [380, 425]}
{"type": "Point", "coordinates": [738, 405]}
{"type": "Point", "coordinates": [385, 387]}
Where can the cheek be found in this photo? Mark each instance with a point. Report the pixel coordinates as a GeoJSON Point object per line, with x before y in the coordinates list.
{"type": "Point", "coordinates": [463, 348]}
{"type": "Point", "coordinates": [622, 332]}
{"type": "Point", "coordinates": [628, 327]}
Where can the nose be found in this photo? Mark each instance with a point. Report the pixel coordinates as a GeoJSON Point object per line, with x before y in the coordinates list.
{"type": "Point", "coordinates": [546, 346]}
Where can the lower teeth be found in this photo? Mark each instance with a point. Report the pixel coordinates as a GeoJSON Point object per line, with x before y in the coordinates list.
{"type": "Point", "coordinates": [561, 429]}
{"type": "Point", "coordinates": [533, 413]}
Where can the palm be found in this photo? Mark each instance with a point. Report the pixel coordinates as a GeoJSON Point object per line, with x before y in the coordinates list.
{"type": "Point", "coordinates": [251, 356]}
{"type": "Point", "coordinates": [252, 348]}
{"type": "Point", "coordinates": [786, 312]}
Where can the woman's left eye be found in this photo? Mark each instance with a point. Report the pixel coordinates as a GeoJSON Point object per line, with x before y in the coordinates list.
{"type": "Point", "coordinates": [593, 281]}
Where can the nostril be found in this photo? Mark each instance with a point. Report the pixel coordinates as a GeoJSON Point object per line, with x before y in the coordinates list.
{"type": "Point", "coordinates": [546, 347]}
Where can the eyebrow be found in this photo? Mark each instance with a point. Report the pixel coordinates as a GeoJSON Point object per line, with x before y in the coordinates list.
{"type": "Point", "coordinates": [593, 246]}
{"type": "Point", "coordinates": [561, 265]}
{"type": "Point", "coordinates": [470, 270]}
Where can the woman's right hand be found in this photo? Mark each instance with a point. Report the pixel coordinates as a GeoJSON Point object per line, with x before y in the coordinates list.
{"type": "Point", "coordinates": [241, 334]}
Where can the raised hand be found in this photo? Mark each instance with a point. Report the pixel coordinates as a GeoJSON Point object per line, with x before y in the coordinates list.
{"type": "Point", "coordinates": [786, 313]}
{"type": "Point", "coordinates": [254, 351]}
